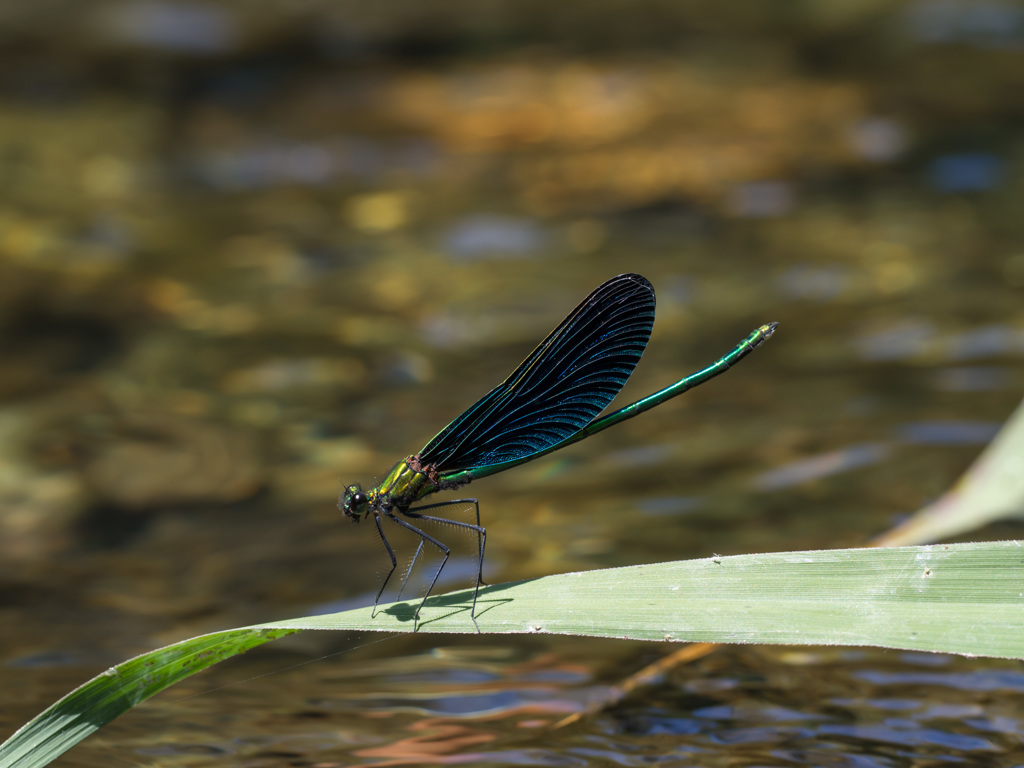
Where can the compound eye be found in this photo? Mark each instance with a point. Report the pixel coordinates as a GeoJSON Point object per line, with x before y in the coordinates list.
{"type": "Point", "coordinates": [355, 502]}
{"type": "Point", "coordinates": [359, 502]}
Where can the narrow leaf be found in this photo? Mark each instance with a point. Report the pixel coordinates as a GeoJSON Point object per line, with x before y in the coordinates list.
{"type": "Point", "coordinates": [991, 489]}
{"type": "Point", "coordinates": [957, 598]}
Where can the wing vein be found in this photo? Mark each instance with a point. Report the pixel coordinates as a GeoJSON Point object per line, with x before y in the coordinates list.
{"type": "Point", "coordinates": [572, 375]}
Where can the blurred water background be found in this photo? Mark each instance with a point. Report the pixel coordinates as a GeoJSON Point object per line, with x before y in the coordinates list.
{"type": "Point", "coordinates": [251, 252]}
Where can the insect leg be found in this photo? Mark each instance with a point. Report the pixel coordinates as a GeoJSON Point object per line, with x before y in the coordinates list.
{"type": "Point", "coordinates": [481, 534]}
{"type": "Point", "coordinates": [424, 536]}
{"type": "Point", "coordinates": [394, 564]}
{"type": "Point", "coordinates": [408, 571]}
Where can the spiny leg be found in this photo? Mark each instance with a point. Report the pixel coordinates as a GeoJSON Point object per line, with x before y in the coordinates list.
{"type": "Point", "coordinates": [480, 530]}
{"type": "Point", "coordinates": [481, 534]}
{"type": "Point", "coordinates": [408, 571]}
{"type": "Point", "coordinates": [424, 536]}
{"type": "Point", "coordinates": [394, 564]}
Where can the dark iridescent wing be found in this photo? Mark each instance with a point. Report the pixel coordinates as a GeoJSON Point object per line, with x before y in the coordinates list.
{"type": "Point", "coordinates": [565, 382]}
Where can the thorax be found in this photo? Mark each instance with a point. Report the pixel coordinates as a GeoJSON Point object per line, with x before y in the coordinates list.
{"type": "Point", "coordinates": [405, 484]}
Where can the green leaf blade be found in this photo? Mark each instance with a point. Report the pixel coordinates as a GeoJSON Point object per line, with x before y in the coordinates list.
{"type": "Point", "coordinates": [959, 598]}
{"type": "Point", "coordinates": [114, 692]}
{"type": "Point", "coordinates": [929, 598]}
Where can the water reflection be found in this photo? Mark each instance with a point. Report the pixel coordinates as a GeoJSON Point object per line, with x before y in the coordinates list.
{"type": "Point", "coordinates": [816, 467]}
{"type": "Point", "coordinates": [744, 706]}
